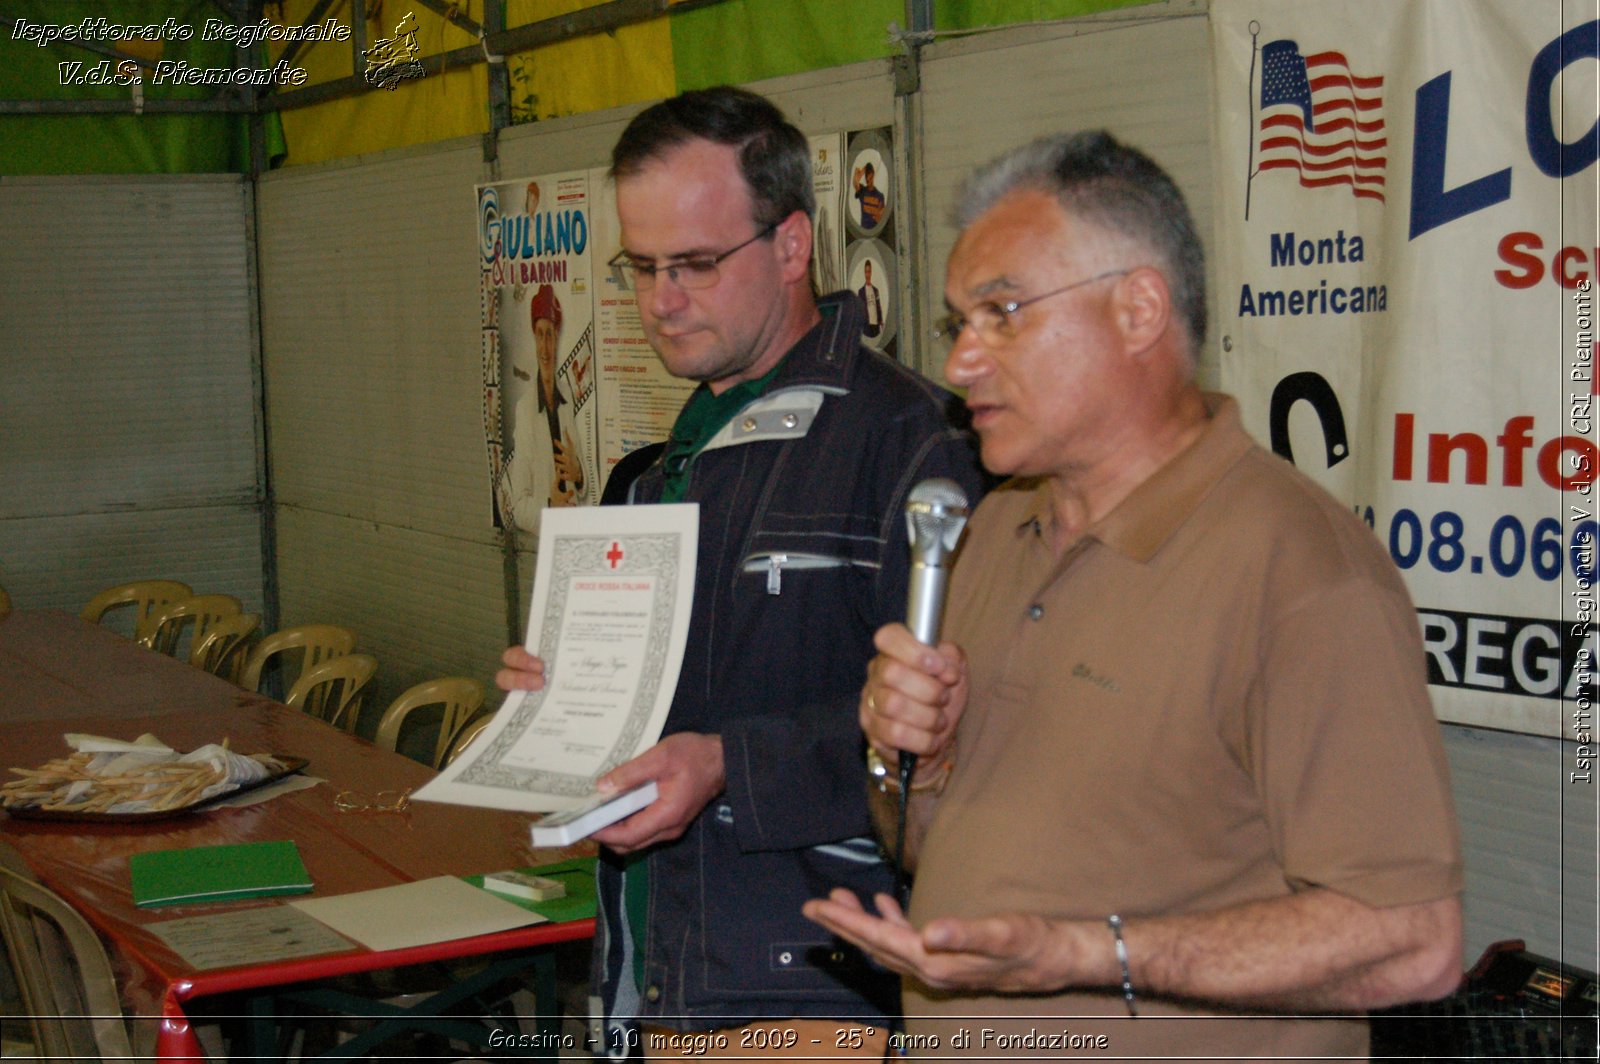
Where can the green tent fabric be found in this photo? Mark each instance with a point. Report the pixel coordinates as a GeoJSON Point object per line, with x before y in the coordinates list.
{"type": "Point", "coordinates": [115, 143]}
{"type": "Point", "coordinates": [732, 42]}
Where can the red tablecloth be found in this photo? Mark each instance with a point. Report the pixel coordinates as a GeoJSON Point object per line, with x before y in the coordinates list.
{"type": "Point", "coordinates": [54, 672]}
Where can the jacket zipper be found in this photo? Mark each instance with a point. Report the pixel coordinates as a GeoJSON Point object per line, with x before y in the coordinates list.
{"type": "Point", "coordinates": [774, 564]}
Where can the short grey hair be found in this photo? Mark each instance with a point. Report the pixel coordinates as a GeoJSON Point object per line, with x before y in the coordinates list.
{"type": "Point", "coordinates": [1110, 185]}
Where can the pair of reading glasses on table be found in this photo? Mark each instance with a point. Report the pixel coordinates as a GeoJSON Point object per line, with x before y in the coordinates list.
{"type": "Point", "coordinates": [381, 802]}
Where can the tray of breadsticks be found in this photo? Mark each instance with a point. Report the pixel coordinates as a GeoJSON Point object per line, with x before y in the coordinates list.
{"type": "Point", "coordinates": [114, 781]}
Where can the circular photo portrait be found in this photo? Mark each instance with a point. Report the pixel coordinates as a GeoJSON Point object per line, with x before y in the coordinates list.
{"type": "Point", "coordinates": [869, 198]}
{"type": "Point", "coordinates": [872, 278]}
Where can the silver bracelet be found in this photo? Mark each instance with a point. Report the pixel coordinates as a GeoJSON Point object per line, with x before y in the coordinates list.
{"type": "Point", "coordinates": [1115, 923]}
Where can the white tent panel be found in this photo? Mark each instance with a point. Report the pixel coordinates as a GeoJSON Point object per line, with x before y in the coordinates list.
{"type": "Point", "coordinates": [128, 399]}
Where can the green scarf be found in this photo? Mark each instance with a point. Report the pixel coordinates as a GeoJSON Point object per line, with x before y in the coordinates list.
{"type": "Point", "coordinates": [702, 417]}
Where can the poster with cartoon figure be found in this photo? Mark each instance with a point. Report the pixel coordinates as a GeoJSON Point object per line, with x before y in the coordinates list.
{"type": "Point", "coordinates": [538, 341]}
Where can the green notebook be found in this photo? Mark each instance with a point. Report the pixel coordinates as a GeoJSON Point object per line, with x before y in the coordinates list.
{"type": "Point", "coordinates": [217, 873]}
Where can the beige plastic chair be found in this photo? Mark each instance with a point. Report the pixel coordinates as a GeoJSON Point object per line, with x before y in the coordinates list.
{"type": "Point", "coordinates": [201, 611]}
{"type": "Point", "coordinates": [460, 698]}
{"type": "Point", "coordinates": [332, 690]}
{"type": "Point", "coordinates": [145, 596]}
{"type": "Point", "coordinates": [318, 641]}
{"type": "Point", "coordinates": [64, 976]}
{"type": "Point", "coordinates": [463, 738]}
{"type": "Point", "coordinates": [222, 651]}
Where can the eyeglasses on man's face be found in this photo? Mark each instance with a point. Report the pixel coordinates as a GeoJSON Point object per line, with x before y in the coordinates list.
{"type": "Point", "coordinates": [994, 321]}
{"type": "Point", "coordinates": [692, 272]}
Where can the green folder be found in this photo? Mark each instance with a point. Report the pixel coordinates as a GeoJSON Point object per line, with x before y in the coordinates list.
{"type": "Point", "coordinates": [217, 873]}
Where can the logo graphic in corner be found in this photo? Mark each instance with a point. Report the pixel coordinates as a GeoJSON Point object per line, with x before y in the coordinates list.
{"type": "Point", "coordinates": [1316, 117]}
{"type": "Point", "coordinates": [393, 59]}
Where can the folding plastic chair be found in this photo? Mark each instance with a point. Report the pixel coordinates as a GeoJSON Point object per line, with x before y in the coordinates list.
{"type": "Point", "coordinates": [332, 690]}
{"type": "Point", "coordinates": [199, 611]}
{"type": "Point", "coordinates": [222, 651]}
{"type": "Point", "coordinates": [460, 698]}
{"type": "Point", "coordinates": [145, 596]}
{"type": "Point", "coordinates": [463, 738]}
{"type": "Point", "coordinates": [63, 973]}
{"type": "Point", "coordinates": [318, 642]}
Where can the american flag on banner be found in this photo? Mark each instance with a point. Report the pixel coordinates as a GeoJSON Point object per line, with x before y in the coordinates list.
{"type": "Point", "coordinates": [1319, 118]}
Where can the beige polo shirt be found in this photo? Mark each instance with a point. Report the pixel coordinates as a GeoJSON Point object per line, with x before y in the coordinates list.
{"type": "Point", "coordinates": [1216, 696]}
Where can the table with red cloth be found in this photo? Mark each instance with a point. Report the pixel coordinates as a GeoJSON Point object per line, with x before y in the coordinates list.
{"type": "Point", "coordinates": [59, 674]}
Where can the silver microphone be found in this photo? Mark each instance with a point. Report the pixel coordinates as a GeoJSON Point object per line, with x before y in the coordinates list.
{"type": "Point", "coordinates": [936, 514]}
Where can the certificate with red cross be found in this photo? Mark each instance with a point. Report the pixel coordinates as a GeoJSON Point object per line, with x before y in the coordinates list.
{"type": "Point", "coordinates": [609, 617]}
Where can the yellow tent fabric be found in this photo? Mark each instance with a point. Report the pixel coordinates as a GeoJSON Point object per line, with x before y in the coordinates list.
{"type": "Point", "coordinates": [589, 73]}
{"type": "Point", "coordinates": [699, 45]}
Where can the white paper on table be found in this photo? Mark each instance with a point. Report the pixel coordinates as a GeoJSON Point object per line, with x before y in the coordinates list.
{"type": "Point", "coordinates": [612, 593]}
{"type": "Point", "coordinates": [441, 909]}
{"type": "Point", "coordinates": [145, 744]}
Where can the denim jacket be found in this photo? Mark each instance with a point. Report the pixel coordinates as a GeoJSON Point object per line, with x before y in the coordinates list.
{"type": "Point", "coordinates": [803, 554]}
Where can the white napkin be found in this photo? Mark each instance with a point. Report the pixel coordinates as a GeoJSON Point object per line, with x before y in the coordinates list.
{"type": "Point", "coordinates": [115, 757]}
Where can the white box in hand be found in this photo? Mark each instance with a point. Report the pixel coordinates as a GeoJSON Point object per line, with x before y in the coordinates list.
{"type": "Point", "coordinates": [570, 825]}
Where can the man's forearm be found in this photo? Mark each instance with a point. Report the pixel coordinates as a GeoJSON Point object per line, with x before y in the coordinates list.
{"type": "Point", "coordinates": [1316, 951]}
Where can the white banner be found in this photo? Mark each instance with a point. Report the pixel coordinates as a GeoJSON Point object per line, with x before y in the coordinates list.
{"type": "Point", "coordinates": [1406, 268]}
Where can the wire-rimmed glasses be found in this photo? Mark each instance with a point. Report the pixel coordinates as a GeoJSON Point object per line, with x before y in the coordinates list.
{"type": "Point", "coordinates": [379, 802]}
{"type": "Point", "coordinates": [992, 320]}
{"type": "Point", "coordinates": [693, 272]}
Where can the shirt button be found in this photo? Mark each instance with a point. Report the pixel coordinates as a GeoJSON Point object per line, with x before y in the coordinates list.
{"type": "Point", "coordinates": [1036, 611]}
{"type": "Point", "coordinates": [749, 424]}
{"type": "Point", "coordinates": [786, 957]}
{"type": "Point", "coordinates": [790, 421]}
{"type": "Point", "coordinates": [652, 993]}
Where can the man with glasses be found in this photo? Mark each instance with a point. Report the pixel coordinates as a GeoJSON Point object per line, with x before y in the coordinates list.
{"type": "Point", "coordinates": [1179, 786]}
{"type": "Point", "coordinates": [800, 446]}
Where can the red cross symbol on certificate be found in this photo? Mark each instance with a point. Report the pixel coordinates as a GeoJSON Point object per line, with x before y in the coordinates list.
{"type": "Point", "coordinates": [614, 555]}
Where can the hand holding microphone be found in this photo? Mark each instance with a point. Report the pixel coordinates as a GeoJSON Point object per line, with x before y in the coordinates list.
{"type": "Point", "coordinates": [936, 514]}
{"type": "Point", "coordinates": [914, 694]}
